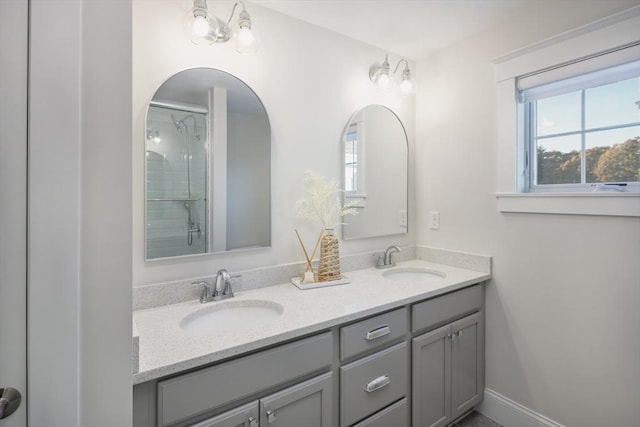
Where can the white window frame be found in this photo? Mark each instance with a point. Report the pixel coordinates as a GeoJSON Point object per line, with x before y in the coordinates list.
{"type": "Point", "coordinates": [607, 34]}
{"type": "Point", "coordinates": [528, 126]}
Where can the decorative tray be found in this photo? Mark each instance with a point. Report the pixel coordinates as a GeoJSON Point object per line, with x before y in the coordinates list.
{"type": "Point", "coordinates": [343, 281]}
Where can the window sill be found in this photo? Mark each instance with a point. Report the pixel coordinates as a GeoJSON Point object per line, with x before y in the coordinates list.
{"type": "Point", "coordinates": [602, 204]}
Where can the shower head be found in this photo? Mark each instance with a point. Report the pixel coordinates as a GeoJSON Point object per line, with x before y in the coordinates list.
{"type": "Point", "coordinates": [177, 123]}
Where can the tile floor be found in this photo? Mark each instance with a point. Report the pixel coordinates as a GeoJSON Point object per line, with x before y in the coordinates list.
{"type": "Point", "coordinates": [476, 419]}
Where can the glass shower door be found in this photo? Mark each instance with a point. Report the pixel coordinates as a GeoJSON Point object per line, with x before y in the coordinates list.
{"type": "Point", "coordinates": [176, 182]}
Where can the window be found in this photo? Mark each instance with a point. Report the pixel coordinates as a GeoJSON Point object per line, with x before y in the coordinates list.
{"type": "Point", "coordinates": [569, 91]}
{"type": "Point", "coordinates": [581, 133]}
{"type": "Point", "coordinates": [351, 159]}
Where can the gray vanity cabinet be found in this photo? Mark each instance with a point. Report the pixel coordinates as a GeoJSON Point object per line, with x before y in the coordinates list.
{"type": "Point", "coordinates": [431, 389]}
{"type": "Point", "coordinates": [372, 382]}
{"type": "Point", "coordinates": [467, 364]}
{"type": "Point", "coordinates": [448, 373]}
{"type": "Point", "coordinates": [306, 404]}
{"type": "Point", "coordinates": [309, 404]}
{"type": "Point", "coordinates": [244, 416]}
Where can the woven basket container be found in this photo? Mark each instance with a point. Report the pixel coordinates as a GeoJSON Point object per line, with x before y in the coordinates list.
{"type": "Point", "coordinates": [329, 266]}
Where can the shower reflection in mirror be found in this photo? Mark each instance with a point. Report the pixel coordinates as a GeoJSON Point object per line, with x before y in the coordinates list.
{"type": "Point", "coordinates": [208, 166]}
{"type": "Point", "coordinates": [176, 181]}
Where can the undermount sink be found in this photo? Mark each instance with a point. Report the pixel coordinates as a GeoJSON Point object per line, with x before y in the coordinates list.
{"type": "Point", "coordinates": [230, 316]}
{"type": "Point", "coordinates": [414, 274]}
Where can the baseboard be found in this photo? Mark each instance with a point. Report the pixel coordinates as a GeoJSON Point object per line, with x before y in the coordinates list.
{"type": "Point", "coordinates": [508, 413]}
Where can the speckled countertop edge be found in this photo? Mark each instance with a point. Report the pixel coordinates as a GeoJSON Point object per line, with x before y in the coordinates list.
{"type": "Point", "coordinates": [165, 349]}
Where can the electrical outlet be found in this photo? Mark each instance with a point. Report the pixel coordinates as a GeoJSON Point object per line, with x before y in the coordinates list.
{"type": "Point", "coordinates": [402, 216]}
{"type": "Point", "coordinates": [434, 220]}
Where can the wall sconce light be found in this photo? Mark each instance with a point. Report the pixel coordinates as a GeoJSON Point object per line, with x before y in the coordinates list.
{"type": "Point", "coordinates": [381, 76]}
{"type": "Point", "coordinates": [206, 29]}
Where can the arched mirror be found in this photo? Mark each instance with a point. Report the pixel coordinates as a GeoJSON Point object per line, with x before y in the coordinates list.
{"type": "Point", "coordinates": [375, 165]}
{"type": "Point", "coordinates": [207, 166]}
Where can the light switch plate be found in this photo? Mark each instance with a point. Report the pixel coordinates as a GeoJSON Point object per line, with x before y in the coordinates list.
{"type": "Point", "coordinates": [434, 220]}
{"type": "Point", "coordinates": [402, 216]}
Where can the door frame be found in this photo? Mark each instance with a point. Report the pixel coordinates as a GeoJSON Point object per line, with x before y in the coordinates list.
{"type": "Point", "coordinates": [14, 62]}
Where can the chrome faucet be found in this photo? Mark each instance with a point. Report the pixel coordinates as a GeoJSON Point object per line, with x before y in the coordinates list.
{"type": "Point", "coordinates": [385, 260]}
{"type": "Point", "coordinates": [223, 285]}
{"type": "Point", "coordinates": [220, 290]}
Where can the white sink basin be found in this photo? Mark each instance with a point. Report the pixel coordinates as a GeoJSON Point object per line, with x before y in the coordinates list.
{"type": "Point", "coordinates": [231, 316]}
{"type": "Point", "coordinates": [414, 274]}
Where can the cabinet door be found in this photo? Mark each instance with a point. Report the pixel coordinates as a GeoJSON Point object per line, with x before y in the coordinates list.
{"type": "Point", "coordinates": [307, 404]}
{"type": "Point", "coordinates": [244, 416]}
{"type": "Point", "coordinates": [467, 358]}
{"type": "Point", "coordinates": [431, 389]}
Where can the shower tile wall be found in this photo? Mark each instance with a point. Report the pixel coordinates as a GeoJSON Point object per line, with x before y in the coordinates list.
{"type": "Point", "coordinates": [168, 198]}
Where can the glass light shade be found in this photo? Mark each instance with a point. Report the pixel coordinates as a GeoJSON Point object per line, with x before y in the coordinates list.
{"type": "Point", "coordinates": [406, 86]}
{"type": "Point", "coordinates": [383, 80]}
{"type": "Point", "coordinates": [202, 27]}
{"type": "Point", "coordinates": [380, 74]}
{"type": "Point", "coordinates": [246, 37]}
{"type": "Point", "coordinates": [406, 83]}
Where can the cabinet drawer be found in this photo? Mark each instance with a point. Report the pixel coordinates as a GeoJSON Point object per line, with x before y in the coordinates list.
{"type": "Point", "coordinates": [369, 384]}
{"type": "Point", "coordinates": [182, 397]}
{"type": "Point", "coordinates": [440, 310]}
{"type": "Point", "coordinates": [372, 333]}
{"type": "Point", "coordinates": [395, 415]}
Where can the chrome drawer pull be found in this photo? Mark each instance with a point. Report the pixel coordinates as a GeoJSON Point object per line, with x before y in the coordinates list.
{"type": "Point", "coordinates": [253, 422]}
{"type": "Point", "coordinates": [377, 384]}
{"type": "Point", "coordinates": [378, 332]}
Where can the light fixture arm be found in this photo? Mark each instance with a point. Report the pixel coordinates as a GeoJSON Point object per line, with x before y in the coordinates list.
{"type": "Point", "coordinates": [406, 65]}
{"type": "Point", "coordinates": [233, 10]}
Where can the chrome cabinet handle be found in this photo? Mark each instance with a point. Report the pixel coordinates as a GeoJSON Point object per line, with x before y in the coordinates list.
{"type": "Point", "coordinates": [271, 416]}
{"type": "Point", "coordinates": [253, 422]}
{"type": "Point", "coordinates": [378, 332]}
{"type": "Point", "coordinates": [10, 399]}
{"type": "Point", "coordinates": [454, 335]}
{"type": "Point", "coordinates": [377, 384]}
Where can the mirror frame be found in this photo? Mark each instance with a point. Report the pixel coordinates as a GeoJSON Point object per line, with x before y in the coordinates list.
{"type": "Point", "coordinates": [343, 159]}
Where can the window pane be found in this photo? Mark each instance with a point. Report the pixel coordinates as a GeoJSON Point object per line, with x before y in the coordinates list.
{"type": "Point", "coordinates": [350, 166]}
{"type": "Point", "coordinates": [613, 155]}
{"type": "Point", "coordinates": [559, 114]}
{"type": "Point", "coordinates": [613, 104]}
{"type": "Point", "coordinates": [558, 160]}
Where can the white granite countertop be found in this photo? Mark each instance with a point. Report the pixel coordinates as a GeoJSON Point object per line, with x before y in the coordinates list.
{"type": "Point", "coordinates": [164, 348]}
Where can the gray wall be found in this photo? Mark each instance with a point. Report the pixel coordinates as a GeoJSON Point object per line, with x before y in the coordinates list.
{"type": "Point", "coordinates": [562, 310]}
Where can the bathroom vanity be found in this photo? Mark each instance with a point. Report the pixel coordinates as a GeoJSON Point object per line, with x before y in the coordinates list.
{"type": "Point", "coordinates": [398, 347]}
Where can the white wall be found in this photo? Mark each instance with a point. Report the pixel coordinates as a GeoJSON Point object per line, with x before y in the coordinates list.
{"type": "Point", "coordinates": [310, 81]}
{"type": "Point", "coordinates": [79, 290]}
{"type": "Point", "coordinates": [563, 310]}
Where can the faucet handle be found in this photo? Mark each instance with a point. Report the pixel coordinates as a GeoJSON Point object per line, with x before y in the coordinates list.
{"type": "Point", "coordinates": [199, 283]}
{"type": "Point", "coordinates": [206, 290]}
{"type": "Point", "coordinates": [380, 260]}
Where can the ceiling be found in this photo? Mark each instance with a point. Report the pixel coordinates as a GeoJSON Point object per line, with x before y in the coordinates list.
{"type": "Point", "coordinates": [410, 28]}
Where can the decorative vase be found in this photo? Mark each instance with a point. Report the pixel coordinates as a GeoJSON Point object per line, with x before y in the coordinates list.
{"type": "Point", "coordinates": [329, 266]}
